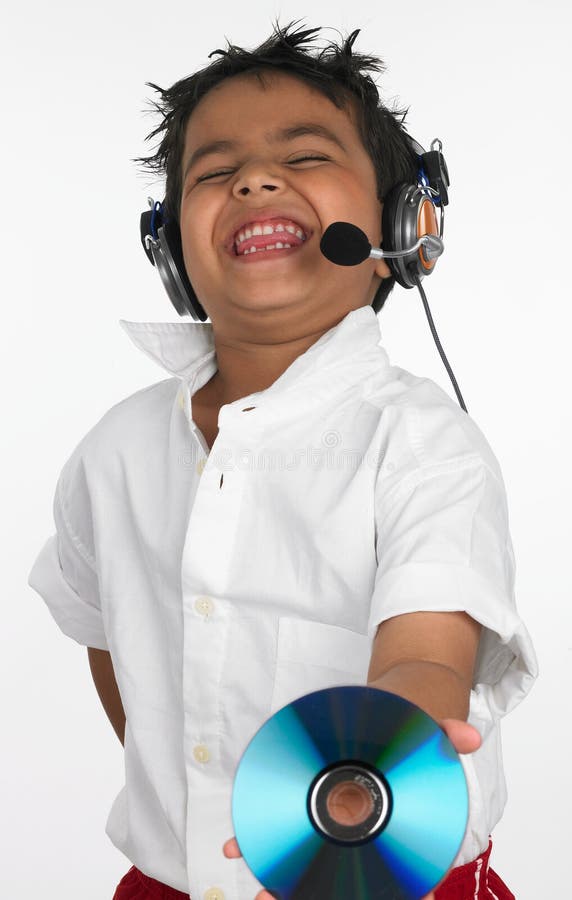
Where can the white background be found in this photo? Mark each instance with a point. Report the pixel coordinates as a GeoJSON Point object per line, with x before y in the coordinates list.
{"type": "Point", "coordinates": [489, 79]}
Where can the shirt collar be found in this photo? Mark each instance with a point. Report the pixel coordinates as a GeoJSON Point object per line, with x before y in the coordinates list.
{"type": "Point", "coordinates": [346, 353]}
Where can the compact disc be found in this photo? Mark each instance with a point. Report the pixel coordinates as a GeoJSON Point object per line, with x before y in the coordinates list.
{"type": "Point", "coordinates": [350, 792]}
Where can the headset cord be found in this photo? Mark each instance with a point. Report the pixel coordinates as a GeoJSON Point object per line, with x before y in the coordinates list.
{"type": "Point", "coordinates": [417, 281]}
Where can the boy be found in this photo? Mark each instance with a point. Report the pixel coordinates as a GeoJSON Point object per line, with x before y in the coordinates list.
{"type": "Point", "coordinates": [288, 511]}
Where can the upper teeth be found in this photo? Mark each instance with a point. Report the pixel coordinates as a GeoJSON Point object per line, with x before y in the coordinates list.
{"type": "Point", "coordinates": [268, 229]}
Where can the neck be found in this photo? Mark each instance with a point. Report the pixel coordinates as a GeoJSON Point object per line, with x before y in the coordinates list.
{"type": "Point", "coordinates": [253, 352]}
{"type": "Point", "coordinates": [245, 367]}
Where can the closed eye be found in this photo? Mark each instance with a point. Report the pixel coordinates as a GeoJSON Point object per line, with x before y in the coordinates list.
{"type": "Point", "coordinates": [214, 175]}
{"type": "Point", "coordinates": [290, 163]}
{"type": "Point", "coordinates": [304, 158]}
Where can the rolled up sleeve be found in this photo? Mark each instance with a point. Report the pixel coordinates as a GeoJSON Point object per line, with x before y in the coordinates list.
{"type": "Point", "coordinates": [443, 544]}
{"type": "Point", "coordinates": [65, 571]}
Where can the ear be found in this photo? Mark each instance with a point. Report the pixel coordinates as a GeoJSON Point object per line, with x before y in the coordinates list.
{"type": "Point", "coordinates": [382, 269]}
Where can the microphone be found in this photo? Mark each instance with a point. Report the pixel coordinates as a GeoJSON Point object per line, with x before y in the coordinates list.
{"type": "Point", "coordinates": [347, 245]}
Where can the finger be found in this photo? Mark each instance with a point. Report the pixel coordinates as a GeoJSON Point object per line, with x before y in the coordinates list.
{"type": "Point", "coordinates": [231, 849]}
{"type": "Point", "coordinates": [464, 737]}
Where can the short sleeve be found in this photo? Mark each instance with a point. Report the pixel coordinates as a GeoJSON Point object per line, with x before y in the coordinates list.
{"type": "Point", "coordinates": [65, 571]}
{"type": "Point", "coordinates": [443, 544]}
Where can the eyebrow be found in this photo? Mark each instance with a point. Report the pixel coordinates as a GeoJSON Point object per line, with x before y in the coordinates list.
{"type": "Point", "coordinates": [281, 135]}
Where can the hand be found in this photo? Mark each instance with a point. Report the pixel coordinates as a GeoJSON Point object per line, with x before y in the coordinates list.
{"type": "Point", "coordinates": [464, 738]}
{"type": "Point", "coordinates": [231, 851]}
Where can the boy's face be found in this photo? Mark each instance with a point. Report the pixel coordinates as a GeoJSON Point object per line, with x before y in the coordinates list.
{"type": "Point", "coordinates": [245, 166]}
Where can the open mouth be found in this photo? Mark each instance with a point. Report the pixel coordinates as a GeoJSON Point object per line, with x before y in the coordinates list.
{"type": "Point", "coordinates": [268, 236]}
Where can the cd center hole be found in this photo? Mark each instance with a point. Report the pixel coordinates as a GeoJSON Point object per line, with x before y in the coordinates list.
{"type": "Point", "coordinates": [349, 803]}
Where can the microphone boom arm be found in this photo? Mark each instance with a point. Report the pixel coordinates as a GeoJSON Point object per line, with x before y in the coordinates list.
{"type": "Point", "coordinates": [433, 244]}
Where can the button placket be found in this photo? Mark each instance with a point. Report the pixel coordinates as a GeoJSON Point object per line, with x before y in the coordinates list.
{"type": "Point", "coordinates": [213, 523]}
{"type": "Point", "coordinates": [204, 605]}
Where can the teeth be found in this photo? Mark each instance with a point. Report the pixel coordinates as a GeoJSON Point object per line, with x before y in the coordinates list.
{"type": "Point", "coordinates": [276, 246]}
{"type": "Point", "coordinates": [268, 229]}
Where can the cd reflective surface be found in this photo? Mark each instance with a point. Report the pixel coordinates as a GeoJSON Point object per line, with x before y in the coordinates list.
{"type": "Point", "coordinates": [350, 792]}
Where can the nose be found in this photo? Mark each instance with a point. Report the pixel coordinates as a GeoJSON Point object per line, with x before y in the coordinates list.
{"type": "Point", "coordinates": [256, 177]}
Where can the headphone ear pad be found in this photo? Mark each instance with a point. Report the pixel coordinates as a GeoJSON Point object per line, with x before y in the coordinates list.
{"type": "Point", "coordinates": [388, 220]}
{"type": "Point", "coordinates": [174, 274]}
{"type": "Point", "coordinates": [394, 228]}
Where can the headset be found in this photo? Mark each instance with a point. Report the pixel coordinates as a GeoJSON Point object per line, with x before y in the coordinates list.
{"type": "Point", "coordinates": [409, 214]}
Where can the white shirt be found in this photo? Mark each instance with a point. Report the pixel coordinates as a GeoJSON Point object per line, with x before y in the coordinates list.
{"type": "Point", "coordinates": [227, 584]}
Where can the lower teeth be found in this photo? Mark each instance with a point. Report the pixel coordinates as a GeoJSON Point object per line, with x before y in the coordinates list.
{"type": "Point", "coordinates": [271, 247]}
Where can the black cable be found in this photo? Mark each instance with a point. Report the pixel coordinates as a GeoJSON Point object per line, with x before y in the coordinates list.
{"type": "Point", "coordinates": [417, 281]}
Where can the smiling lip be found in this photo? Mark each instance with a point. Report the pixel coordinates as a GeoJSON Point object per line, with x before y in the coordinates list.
{"type": "Point", "coordinates": [266, 217]}
{"type": "Point", "coordinates": [260, 256]}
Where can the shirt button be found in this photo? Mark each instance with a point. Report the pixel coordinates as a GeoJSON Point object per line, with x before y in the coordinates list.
{"type": "Point", "coordinates": [204, 606]}
{"type": "Point", "coordinates": [201, 753]}
{"type": "Point", "coordinates": [214, 893]}
{"type": "Point", "coordinates": [200, 466]}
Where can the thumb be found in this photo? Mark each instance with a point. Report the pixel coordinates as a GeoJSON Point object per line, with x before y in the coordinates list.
{"type": "Point", "coordinates": [464, 737]}
{"type": "Point", "coordinates": [231, 849]}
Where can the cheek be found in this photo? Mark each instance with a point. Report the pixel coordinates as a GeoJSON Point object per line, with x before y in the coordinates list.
{"type": "Point", "coordinates": [196, 235]}
{"type": "Point", "coordinates": [371, 218]}
{"type": "Point", "coordinates": [352, 200]}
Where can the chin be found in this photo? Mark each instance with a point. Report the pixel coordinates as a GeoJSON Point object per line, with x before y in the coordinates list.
{"type": "Point", "coordinates": [259, 301]}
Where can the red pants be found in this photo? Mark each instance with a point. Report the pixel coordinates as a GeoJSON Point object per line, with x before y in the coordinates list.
{"type": "Point", "coordinates": [474, 881]}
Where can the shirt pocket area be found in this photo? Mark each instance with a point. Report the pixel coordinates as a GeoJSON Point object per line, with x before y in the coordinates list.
{"type": "Point", "coordinates": [311, 656]}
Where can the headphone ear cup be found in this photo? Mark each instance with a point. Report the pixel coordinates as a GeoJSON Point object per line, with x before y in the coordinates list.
{"type": "Point", "coordinates": [165, 251]}
{"type": "Point", "coordinates": [408, 214]}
